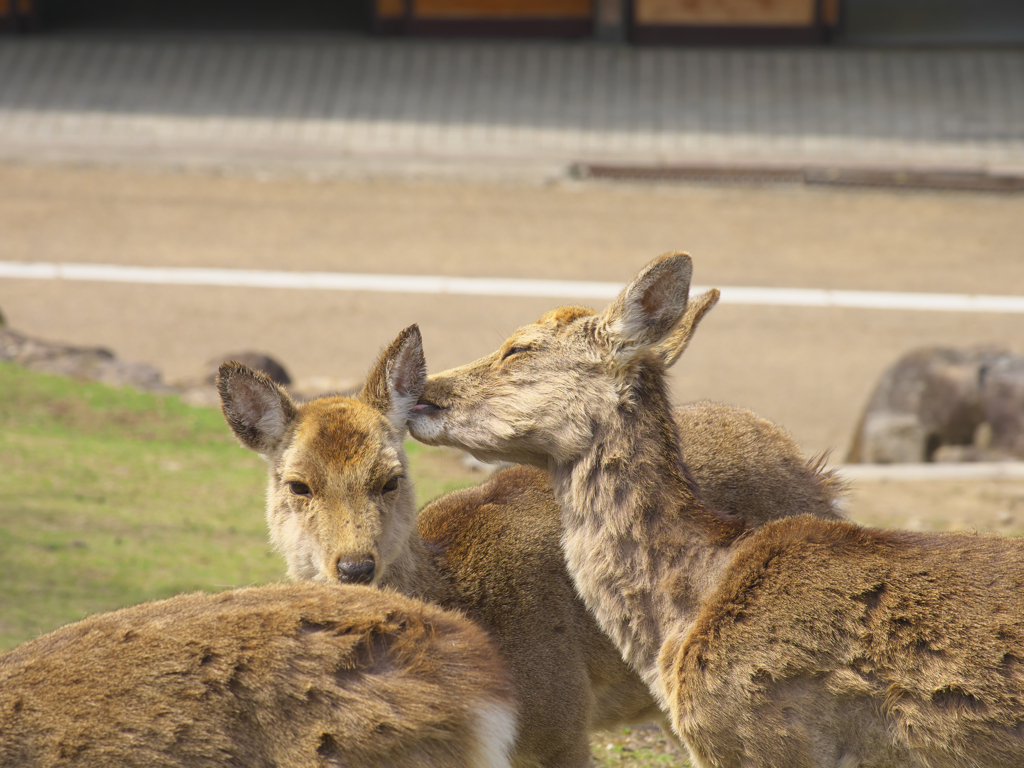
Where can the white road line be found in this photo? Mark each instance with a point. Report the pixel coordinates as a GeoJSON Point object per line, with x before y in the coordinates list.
{"type": "Point", "coordinates": [991, 470]}
{"type": "Point", "coordinates": [487, 286]}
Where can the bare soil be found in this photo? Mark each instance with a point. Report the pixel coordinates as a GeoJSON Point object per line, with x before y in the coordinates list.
{"type": "Point", "coordinates": [810, 369]}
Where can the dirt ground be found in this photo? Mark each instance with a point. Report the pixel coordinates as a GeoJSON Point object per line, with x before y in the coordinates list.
{"type": "Point", "coordinates": [809, 369]}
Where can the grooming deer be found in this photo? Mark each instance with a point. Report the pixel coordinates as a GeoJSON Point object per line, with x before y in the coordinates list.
{"type": "Point", "coordinates": [804, 642]}
{"type": "Point", "coordinates": [296, 676]}
{"type": "Point", "coordinates": [340, 507]}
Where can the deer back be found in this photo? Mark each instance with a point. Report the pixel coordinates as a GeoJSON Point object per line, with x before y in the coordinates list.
{"type": "Point", "coordinates": [899, 648]}
{"type": "Point", "coordinates": [748, 466]}
{"type": "Point", "coordinates": [290, 675]}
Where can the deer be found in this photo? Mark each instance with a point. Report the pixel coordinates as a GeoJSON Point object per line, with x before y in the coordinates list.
{"type": "Point", "coordinates": [341, 508]}
{"type": "Point", "coordinates": [802, 642]}
{"type": "Point", "coordinates": [289, 675]}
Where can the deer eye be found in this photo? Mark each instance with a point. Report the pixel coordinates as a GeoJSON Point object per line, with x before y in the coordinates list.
{"type": "Point", "coordinates": [391, 485]}
{"type": "Point", "coordinates": [300, 489]}
{"type": "Point", "coordinates": [515, 351]}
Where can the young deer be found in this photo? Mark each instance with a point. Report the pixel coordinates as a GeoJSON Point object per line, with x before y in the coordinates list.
{"type": "Point", "coordinates": [340, 507]}
{"type": "Point", "coordinates": [805, 642]}
{"type": "Point", "coordinates": [283, 675]}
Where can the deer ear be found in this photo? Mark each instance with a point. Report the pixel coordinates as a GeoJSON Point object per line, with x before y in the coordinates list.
{"type": "Point", "coordinates": [651, 305]}
{"type": "Point", "coordinates": [396, 382]}
{"type": "Point", "coordinates": [258, 411]}
{"type": "Point", "coordinates": [671, 348]}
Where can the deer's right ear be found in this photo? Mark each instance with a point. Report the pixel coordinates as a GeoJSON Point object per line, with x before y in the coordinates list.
{"type": "Point", "coordinates": [257, 410]}
{"type": "Point", "coordinates": [396, 382]}
{"type": "Point", "coordinates": [653, 303]}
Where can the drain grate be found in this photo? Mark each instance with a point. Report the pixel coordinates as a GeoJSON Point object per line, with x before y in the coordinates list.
{"type": "Point", "coordinates": [951, 180]}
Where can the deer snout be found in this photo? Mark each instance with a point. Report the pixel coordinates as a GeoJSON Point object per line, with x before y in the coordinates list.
{"type": "Point", "coordinates": [356, 570]}
{"type": "Point", "coordinates": [438, 393]}
{"type": "Point", "coordinates": [426, 417]}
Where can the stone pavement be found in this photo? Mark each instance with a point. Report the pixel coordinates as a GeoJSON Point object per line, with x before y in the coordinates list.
{"type": "Point", "coordinates": [342, 104]}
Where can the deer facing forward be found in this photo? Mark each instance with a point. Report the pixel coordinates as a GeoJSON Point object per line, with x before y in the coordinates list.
{"type": "Point", "coordinates": [804, 642]}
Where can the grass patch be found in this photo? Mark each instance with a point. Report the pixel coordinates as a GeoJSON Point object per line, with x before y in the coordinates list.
{"type": "Point", "coordinates": [644, 746]}
{"type": "Point", "coordinates": [111, 497]}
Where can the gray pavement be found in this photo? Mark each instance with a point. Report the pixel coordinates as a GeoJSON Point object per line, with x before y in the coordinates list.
{"type": "Point", "coordinates": [342, 104]}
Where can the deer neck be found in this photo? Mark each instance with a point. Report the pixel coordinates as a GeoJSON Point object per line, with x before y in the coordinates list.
{"type": "Point", "coordinates": [641, 546]}
{"type": "Point", "coordinates": [415, 573]}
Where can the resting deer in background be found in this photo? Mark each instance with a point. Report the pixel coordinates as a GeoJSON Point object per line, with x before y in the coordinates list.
{"type": "Point", "coordinates": [297, 676]}
{"type": "Point", "coordinates": [805, 642]}
{"type": "Point", "coordinates": [340, 507]}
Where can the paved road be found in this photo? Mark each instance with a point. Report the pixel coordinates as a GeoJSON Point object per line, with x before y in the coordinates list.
{"type": "Point", "coordinates": [344, 104]}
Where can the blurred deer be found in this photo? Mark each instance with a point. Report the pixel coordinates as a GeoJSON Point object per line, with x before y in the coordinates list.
{"type": "Point", "coordinates": [284, 675]}
{"type": "Point", "coordinates": [804, 642]}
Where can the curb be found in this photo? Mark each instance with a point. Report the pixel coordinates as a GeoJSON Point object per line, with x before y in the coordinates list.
{"type": "Point", "coordinates": [940, 179]}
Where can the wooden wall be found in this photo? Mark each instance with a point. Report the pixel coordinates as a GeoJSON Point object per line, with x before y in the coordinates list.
{"type": "Point", "coordinates": [732, 21]}
{"type": "Point", "coordinates": [714, 12]}
{"type": "Point", "coordinates": [556, 18]}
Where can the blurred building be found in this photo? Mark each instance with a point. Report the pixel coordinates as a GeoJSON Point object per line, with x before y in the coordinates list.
{"type": "Point", "coordinates": [639, 22]}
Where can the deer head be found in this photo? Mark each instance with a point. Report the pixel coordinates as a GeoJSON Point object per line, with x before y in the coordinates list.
{"type": "Point", "coordinates": [340, 505]}
{"type": "Point", "coordinates": [533, 398]}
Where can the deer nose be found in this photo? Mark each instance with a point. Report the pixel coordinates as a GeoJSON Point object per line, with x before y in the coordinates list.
{"type": "Point", "coordinates": [356, 570]}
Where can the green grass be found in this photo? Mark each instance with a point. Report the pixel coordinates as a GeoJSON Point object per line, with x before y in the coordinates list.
{"type": "Point", "coordinates": [109, 497]}
{"type": "Point", "coordinates": [640, 747]}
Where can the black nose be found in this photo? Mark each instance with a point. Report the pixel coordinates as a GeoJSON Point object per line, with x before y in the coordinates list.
{"type": "Point", "coordinates": [356, 571]}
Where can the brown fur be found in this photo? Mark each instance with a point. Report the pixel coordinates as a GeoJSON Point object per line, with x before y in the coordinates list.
{"type": "Point", "coordinates": [492, 551]}
{"type": "Point", "coordinates": [283, 675]}
{"type": "Point", "coordinates": [805, 642]}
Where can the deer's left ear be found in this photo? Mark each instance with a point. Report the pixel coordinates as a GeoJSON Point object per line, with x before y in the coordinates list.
{"type": "Point", "coordinates": [671, 348]}
{"type": "Point", "coordinates": [650, 307]}
{"type": "Point", "coordinates": [396, 382]}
